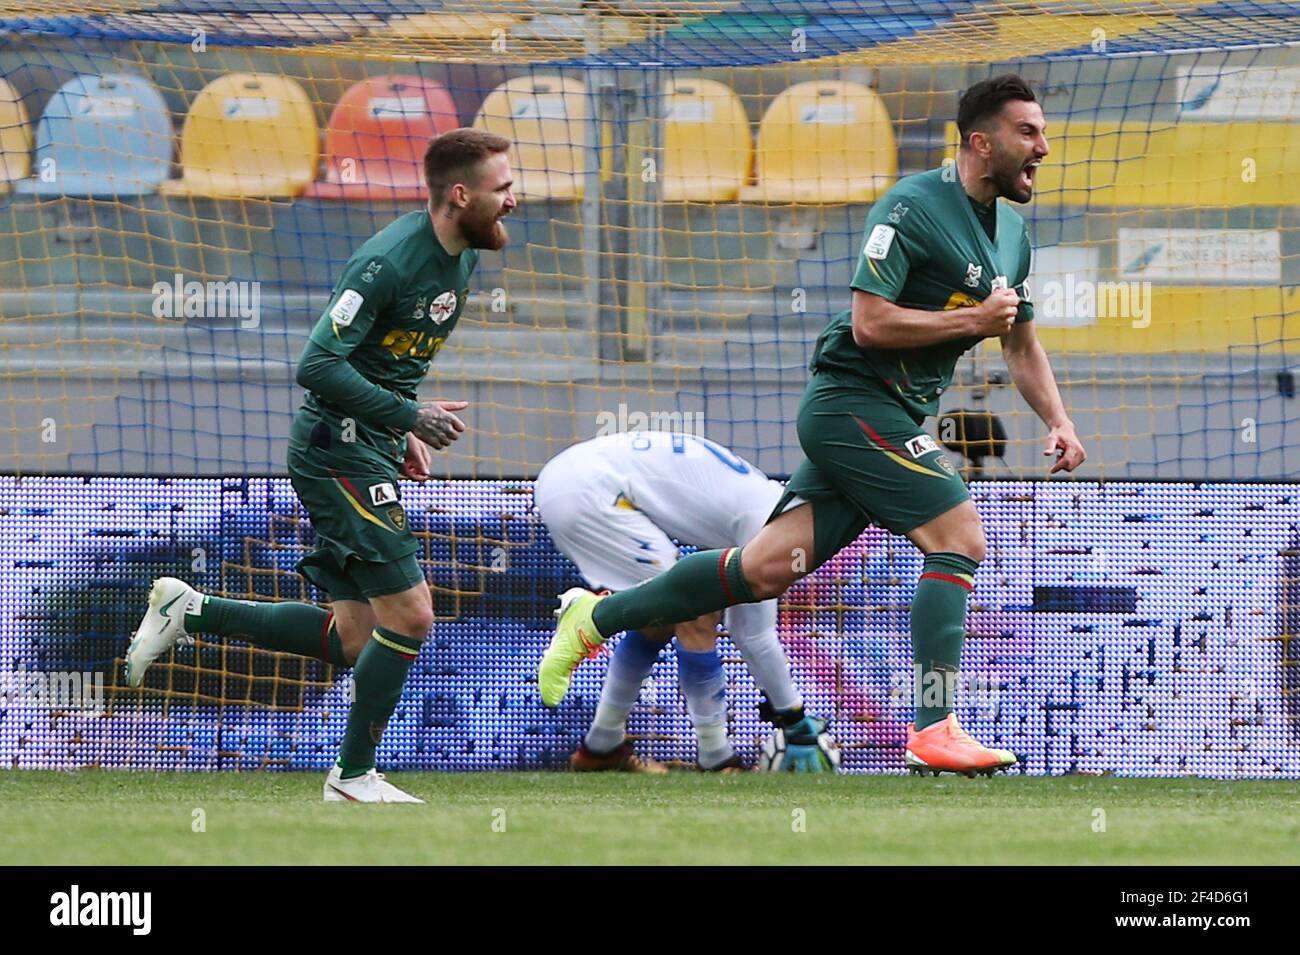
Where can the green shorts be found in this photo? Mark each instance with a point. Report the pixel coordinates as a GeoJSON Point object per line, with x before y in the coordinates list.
{"type": "Point", "coordinates": [365, 547]}
{"type": "Point", "coordinates": [867, 461]}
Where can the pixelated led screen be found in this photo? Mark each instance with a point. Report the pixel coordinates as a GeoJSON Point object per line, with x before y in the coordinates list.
{"type": "Point", "coordinates": [1139, 629]}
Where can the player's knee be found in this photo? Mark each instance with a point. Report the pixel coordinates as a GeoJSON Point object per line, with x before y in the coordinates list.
{"type": "Point", "coordinates": [770, 578]}
{"type": "Point", "coordinates": [971, 542]}
{"type": "Point", "coordinates": [957, 532]}
{"type": "Point", "coordinates": [417, 622]}
{"type": "Point", "coordinates": [410, 619]}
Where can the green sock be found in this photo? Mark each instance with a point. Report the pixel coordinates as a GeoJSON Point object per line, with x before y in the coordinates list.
{"type": "Point", "coordinates": [697, 584]}
{"type": "Point", "coordinates": [377, 681]}
{"type": "Point", "coordinates": [938, 631]}
{"type": "Point", "coordinates": [286, 627]}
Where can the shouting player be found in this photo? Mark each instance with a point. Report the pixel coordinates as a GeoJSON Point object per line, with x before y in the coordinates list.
{"type": "Point", "coordinates": [360, 425]}
{"type": "Point", "coordinates": [612, 505]}
{"type": "Point", "coordinates": [942, 268]}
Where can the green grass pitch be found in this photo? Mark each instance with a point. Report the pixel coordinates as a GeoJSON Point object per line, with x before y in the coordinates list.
{"type": "Point", "coordinates": [120, 818]}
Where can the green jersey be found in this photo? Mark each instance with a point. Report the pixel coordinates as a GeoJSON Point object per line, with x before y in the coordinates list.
{"type": "Point", "coordinates": [928, 247]}
{"type": "Point", "coordinates": [390, 312]}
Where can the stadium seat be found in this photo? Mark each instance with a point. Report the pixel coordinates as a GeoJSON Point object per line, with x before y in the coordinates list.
{"type": "Point", "coordinates": [546, 119]}
{"type": "Point", "coordinates": [374, 145]}
{"type": "Point", "coordinates": [102, 136]}
{"type": "Point", "coordinates": [15, 138]}
{"type": "Point", "coordinates": [1170, 165]}
{"type": "Point", "coordinates": [708, 149]}
{"type": "Point", "coordinates": [462, 25]}
{"type": "Point", "coordinates": [248, 135]}
{"type": "Point", "coordinates": [830, 142]}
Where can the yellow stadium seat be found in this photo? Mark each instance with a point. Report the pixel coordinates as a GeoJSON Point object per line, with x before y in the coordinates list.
{"type": "Point", "coordinates": [466, 25]}
{"type": "Point", "coordinates": [706, 139]}
{"type": "Point", "coordinates": [248, 135]}
{"type": "Point", "coordinates": [546, 119]}
{"type": "Point", "coordinates": [1167, 166]}
{"type": "Point", "coordinates": [830, 142]}
{"type": "Point", "coordinates": [15, 138]}
{"type": "Point", "coordinates": [1179, 165]}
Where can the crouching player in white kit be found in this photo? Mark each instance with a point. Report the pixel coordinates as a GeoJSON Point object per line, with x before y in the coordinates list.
{"type": "Point", "coordinates": [612, 505]}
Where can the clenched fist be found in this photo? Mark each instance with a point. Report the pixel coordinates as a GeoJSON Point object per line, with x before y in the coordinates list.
{"type": "Point", "coordinates": [996, 314]}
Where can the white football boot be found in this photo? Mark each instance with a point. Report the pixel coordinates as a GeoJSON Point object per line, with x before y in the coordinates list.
{"type": "Point", "coordinates": [368, 787]}
{"type": "Point", "coordinates": [163, 625]}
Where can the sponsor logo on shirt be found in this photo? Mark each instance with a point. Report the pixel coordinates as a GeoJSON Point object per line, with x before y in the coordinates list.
{"type": "Point", "coordinates": [422, 301]}
{"type": "Point", "coordinates": [896, 214]}
{"type": "Point", "coordinates": [999, 281]}
{"type": "Point", "coordinates": [921, 444]}
{"type": "Point", "coordinates": [973, 273]}
{"type": "Point", "coordinates": [443, 307]}
{"type": "Point", "coordinates": [346, 308]}
{"type": "Point", "coordinates": [381, 494]}
{"type": "Point", "coordinates": [878, 243]}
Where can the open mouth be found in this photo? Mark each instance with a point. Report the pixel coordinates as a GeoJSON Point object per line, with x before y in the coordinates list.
{"type": "Point", "coordinates": [1027, 172]}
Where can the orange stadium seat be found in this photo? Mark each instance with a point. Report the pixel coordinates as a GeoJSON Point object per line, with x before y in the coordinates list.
{"type": "Point", "coordinates": [826, 142]}
{"type": "Point", "coordinates": [708, 149]}
{"type": "Point", "coordinates": [15, 138]}
{"type": "Point", "coordinates": [546, 119]}
{"type": "Point", "coordinates": [248, 135]}
{"type": "Point", "coordinates": [375, 141]}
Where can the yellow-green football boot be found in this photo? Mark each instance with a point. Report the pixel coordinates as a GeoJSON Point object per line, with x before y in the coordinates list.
{"type": "Point", "coordinates": [576, 639]}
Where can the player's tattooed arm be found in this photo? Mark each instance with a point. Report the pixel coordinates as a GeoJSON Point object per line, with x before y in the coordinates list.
{"type": "Point", "coordinates": [437, 425]}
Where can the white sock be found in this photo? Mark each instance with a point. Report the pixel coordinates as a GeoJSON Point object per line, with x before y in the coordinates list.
{"type": "Point", "coordinates": [715, 748]}
{"type": "Point", "coordinates": [609, 728]}
{"type": "Point", "coordinates": [704, 685]}
{"type": "Point", "coordinates": [753, 631]}
{"type": "Point", "coordinates": [633, 659]}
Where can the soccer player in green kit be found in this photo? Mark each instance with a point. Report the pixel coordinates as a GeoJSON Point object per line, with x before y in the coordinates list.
{"type": "Point", "coordinates": [360, 424]}
{"type": "Point", "coordinates": [943, 266]}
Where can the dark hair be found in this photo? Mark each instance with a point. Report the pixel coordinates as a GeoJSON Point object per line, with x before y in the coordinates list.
{"type": "Point", "coordinates": [985, 99]}
{"type": "Point", "coordinates": [454, 156]}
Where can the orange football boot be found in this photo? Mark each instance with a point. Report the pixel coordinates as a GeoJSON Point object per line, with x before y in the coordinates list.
{"type": "Point", "coordinates": [945, 747]}
{"type": "Point", "coordinates": [619, 760]}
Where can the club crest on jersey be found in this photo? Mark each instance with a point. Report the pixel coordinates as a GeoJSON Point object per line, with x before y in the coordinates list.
{"type": "Point", "coordinates": [896, 214]}
{"type": "Point", "coordinates": [921, 444]}
{"type": "Point", "coordinates": [381, 494]}
{"type": "Point", "coordinates": [398, 517]}
{"type": "Point", "coordinates": [973, 273]}
{"type": "Point", "coordinates": [371, 270]}
{"type": "Point", "coordinates": [443, 307]}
